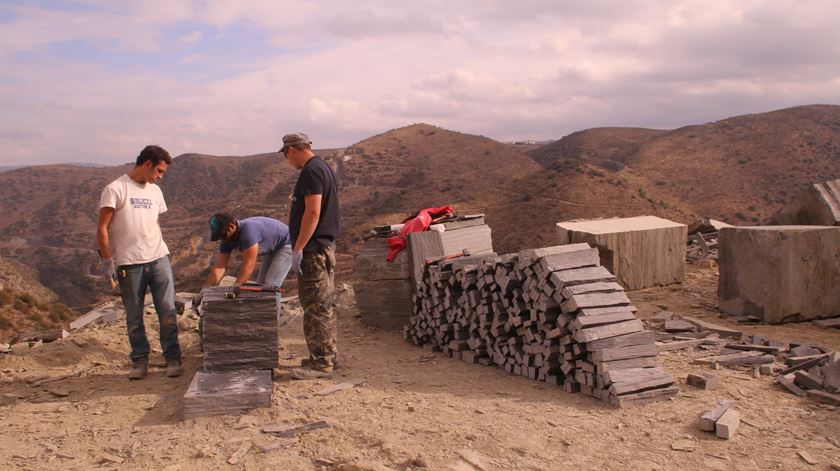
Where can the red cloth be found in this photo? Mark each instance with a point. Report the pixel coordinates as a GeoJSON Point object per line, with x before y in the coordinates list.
{"type": "Point", "coordinates": [419, 223]}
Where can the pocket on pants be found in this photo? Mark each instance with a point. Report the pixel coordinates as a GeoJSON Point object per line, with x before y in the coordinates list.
{"type": "Point", "coordinates": [313, 266]}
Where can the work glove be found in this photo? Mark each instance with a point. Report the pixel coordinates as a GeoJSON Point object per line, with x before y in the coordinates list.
{"type": "Point", "coordinates": [196, 300]}
{"type": "Point", "coordinates": [297, 256]}
{"type": "Point", "coordinates": [109, 271]}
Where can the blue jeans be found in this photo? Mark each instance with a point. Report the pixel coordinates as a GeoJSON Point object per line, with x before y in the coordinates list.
{"type": "Point", "coordinates": [157, 276]}
{"type": "Point", "coordinates": [273, 270]}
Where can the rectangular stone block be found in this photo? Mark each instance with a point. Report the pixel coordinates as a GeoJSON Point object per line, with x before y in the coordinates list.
{"type": "Point", "coordinates": [727, 424]}
{"type": "Point", "coordinates": [818, 205]}
{"type": "Point", "coordinates": [780, 273]}
{"type": "Point", "coordinates": [431, 244]}
{"type": "Point", "coordinates": [371, 263]}
{"type": "Point", "coordinates": [385, 304]}
{"type": "Point", "coordinates": [640, 251]}
{"type": "Point", "coordinates": [227, 393]}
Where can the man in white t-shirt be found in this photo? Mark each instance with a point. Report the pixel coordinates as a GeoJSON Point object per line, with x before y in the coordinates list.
{"type": "Point", "coordinates": [130, 206]}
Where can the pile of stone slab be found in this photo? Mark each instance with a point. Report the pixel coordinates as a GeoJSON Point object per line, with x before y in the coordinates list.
{"type": "Point", "coordinates": [818, 205]}
{"type": "Point", "coordinates": [239, 340]}
{"type": "Point", "coordinates": [552, 314]}
{"type": "Point", "coordinates": [384, 289]}
{"type": "Point", "coordinates": [779, 274]}
{"type": "Point", "coordinates": [703, 240]}
{"type": "Point", "coordinates": [816, 375]}
{"type": "Point", "coordinates": [239, 331]}
{"type": "Point", "coordinates": [641, 251]}
{"type": "Point", "coordinates": [799, 367]}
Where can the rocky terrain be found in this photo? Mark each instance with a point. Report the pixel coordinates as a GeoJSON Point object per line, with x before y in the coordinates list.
{"type": "Point", "coordinates": [68, 405]}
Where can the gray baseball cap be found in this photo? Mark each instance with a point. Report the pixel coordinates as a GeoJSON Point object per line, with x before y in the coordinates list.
{"type": "Point", "coordinates": [294, 139]}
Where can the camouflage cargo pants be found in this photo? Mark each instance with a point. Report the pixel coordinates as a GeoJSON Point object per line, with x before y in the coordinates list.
{"type": "Point", "coordinates": [316, 283]}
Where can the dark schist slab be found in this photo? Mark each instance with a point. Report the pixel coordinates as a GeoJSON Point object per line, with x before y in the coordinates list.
{"type": "Point", "coordinates": [227, 393]}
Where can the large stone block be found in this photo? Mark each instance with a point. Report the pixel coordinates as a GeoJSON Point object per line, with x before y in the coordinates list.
{"type": "Point", "coordinates": [383, 289]}
{"type": "Point", "coordinates": [385, 303]}
{"type": "Point", "coordinates": [818, 205]}
{"type": "Point", "coordinates": [640, 251]}
{"type": "Point", "coordinates": [371, 263]}
{"type": "Point", "coordinates": [780, 273]}
{"type": "Point", "coordinates": [432, 244]}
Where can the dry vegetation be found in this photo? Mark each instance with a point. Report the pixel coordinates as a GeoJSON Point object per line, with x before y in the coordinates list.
{"type": "Point", "coordinates": [740, 169]}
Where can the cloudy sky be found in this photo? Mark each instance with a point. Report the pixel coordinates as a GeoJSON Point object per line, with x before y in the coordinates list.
{"type": "Point", "coordinates": [96, 80]}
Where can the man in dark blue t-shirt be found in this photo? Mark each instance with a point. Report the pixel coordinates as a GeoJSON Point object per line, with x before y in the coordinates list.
{"type": "Point", "coordinates": [254, 236]}
{"type": "Point", "coordinates": [314, 224]}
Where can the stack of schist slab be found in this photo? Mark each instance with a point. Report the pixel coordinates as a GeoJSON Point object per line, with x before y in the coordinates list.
{"type": "Point", "coordinates": [551, 314]}
{"type": "Point", "coordinates": [239, 337]}
{"type": "Point", "coordinates": [239, 329]}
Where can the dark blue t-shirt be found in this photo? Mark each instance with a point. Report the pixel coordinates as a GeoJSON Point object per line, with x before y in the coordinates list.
{"type": "Point", "coordinates": [270, 233]}
{"type": "Point", "coordinates": [316, 178]}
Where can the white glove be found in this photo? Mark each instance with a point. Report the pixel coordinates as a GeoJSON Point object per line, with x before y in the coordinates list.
{"type": "Point", "coordinates": [297, 256]}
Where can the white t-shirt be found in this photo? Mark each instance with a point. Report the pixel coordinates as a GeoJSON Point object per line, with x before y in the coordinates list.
{"type": "Point", "coordinates": [135, 232]}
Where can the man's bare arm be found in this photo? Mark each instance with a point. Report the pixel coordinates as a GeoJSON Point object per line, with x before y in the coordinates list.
{"type": "Point", "coordinates": [218, 270]}
{"type": "Point", "coordinates": [106, 214]}
{"type": "Point", "coordinates": [249, 261]}
{"type": "Point", "coordinates": [311, 216]}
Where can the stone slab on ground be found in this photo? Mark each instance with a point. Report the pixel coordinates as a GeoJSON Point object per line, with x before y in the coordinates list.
{"type": "Point", "coordinates": [818, 205]}
{"type": "Point", "coordinates": [779, 273]}
{"type": "Point", "coordinates": [107, 312]}
{"type": "Point", "coordinates": [227, 393]}
{"type": "Point", "coordinates": [640, 251]}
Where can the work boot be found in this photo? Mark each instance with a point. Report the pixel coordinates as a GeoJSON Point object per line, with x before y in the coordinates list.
{"type": "Point", "coordinates": [173, 368]}
{"type": "Point", "coordinates": [139, 369]}
{"type": "Point", "coordinates": [308, 361]}
{"type": "Point", "coordinates": [310, 372]}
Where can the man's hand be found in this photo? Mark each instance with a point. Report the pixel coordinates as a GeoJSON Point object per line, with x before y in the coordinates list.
{"type": "Point", "coordinates": [109, 271]}
{"type": "Point", "coordinates": [297, 256]}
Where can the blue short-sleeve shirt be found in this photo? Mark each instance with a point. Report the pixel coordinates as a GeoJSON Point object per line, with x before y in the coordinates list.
{"type": "Point", "coordinates": [270, 234]}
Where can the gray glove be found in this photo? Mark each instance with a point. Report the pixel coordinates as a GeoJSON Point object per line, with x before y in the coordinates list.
{"type": "Point", "coordinates": [109, 271]}
{"type": "Point", "coordinates": [297, 256]}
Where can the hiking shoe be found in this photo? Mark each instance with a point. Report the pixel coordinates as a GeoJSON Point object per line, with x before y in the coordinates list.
{"type": "Point", "coordinates": [310, 372]}
{"type": "Point", "coordinates": [139, 370]}
{"type": "Point", "coordinates": [308, 361]}
{"type": "Point", "coordinates": [173, 368]}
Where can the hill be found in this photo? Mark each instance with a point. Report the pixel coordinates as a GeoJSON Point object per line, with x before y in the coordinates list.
{"type": "Point", "coordinates": [26, 304]}
{"type": "Point", "coordinates": [740, 169]}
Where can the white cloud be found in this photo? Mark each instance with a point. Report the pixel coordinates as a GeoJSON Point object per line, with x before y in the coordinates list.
{"type": "Point", "coordinates": [530, 69]}
{"type": "Point", "coordinates": [190, 39]}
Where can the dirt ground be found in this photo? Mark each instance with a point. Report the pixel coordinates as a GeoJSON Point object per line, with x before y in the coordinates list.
{"type": "Point", "coordinates": [415, 410]}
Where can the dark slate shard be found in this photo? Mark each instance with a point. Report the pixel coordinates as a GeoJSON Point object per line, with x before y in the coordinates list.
{"type": "Point", "coordinates": [227, 393]}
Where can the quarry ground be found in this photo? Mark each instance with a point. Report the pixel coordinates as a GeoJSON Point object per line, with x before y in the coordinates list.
{"type": "Point", "coordinates": [415, 410]}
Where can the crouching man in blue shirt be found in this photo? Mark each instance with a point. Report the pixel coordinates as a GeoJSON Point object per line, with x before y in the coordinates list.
{"type": "Point", "coordinates": [254, 236]}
